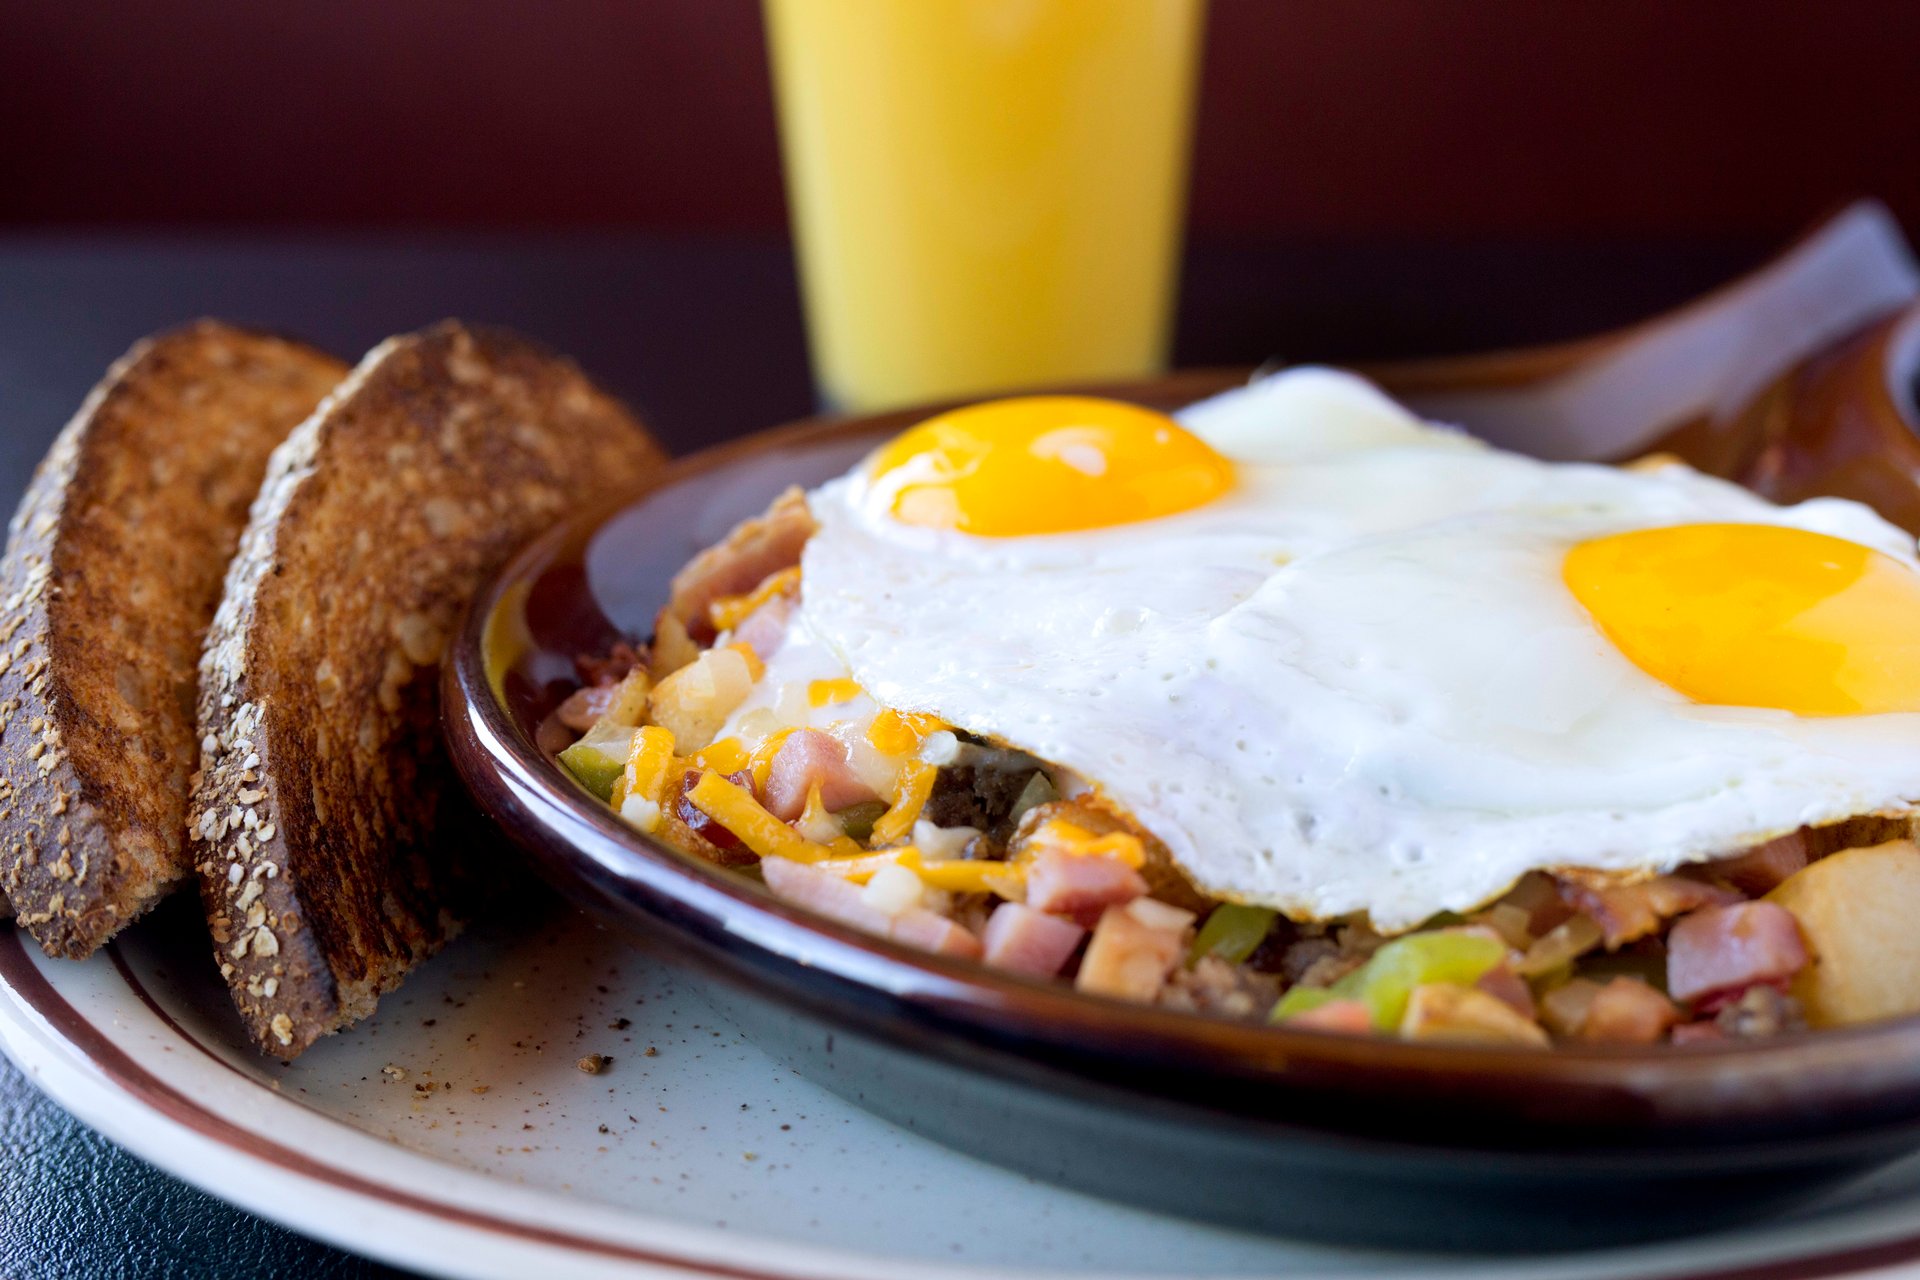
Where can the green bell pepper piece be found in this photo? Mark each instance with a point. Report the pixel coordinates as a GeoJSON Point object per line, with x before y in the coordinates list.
{"type": "Point", "coordinates": [1231, 932]}
{"type": "Point", "coordinates": [1387, 980]}
{"type": "Point", "coordinates": [597, 760]}
{"type": "Point", "coordinates": [1302, 1000]}
{"type": "Point", "coordinates": [857, 819]}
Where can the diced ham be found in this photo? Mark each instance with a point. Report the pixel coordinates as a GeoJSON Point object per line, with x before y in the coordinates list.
{"type": "Point", "coordinates": [1721, 951]}
{"type": "Point", "coordinates": [931, 931]}
{"type": "Point", "coordinates": [1126, 958]}
{"type": "Point", "coordinates": [840, 899]}
{"type": "Point", "coordinates": [585, 705]}
{"type": "Point", "coordinates": [1699, 1033]}
{"type": "Point", "coordinates": [832, 896]}
{"type": "Point", "coordinates": [1508, 987]}
{"type": "Point", "coordinates": [1628, 1011]}
{"type": "Point", "coordinates": [810, 758]}
{"type": "Point", "coordinates": [1764, 867]}
{"type": "Point", "coordinates": [1162, 875]}
{"type": "Point", "coordinates": [1348, 1017]}
{"type": "Point", "coordinates": [765, 629]}
{"type": "Point", "coordinates": [1629, 911]}
{"type": "Point", "coordinates": [1023, 940]}
{"type": "Point", "coordinates": [611, 669]}
{"type": "Point", "coordinates": [552, 736]}
{"type": "Point", "coordinates": [754, 549]}
{"type": "Point", "coordinates": [1079, 886]}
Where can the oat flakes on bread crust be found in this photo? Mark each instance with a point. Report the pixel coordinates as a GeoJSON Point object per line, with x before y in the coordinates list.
{"type": "Point", "coordinates": [336, 851]}
{"type": "Point", "coordinates": [113, 567]}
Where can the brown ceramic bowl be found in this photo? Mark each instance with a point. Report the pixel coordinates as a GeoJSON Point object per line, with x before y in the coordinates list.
{"type": "Point", "coordinates": [1355, 1139]}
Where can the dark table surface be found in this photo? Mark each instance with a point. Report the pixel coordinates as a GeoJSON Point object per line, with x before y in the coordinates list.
{"type": "Point", "coordinates": [704, 337]}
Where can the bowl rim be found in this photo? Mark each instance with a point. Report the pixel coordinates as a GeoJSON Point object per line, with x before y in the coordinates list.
{"type": "Point", "coordinates": [1876, 1061]}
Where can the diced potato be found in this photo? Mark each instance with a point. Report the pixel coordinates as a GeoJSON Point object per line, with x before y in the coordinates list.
{"type": "Point", "coordinates": [1127, 957]}
{"type": "Point", "coordinates": [1449, 1013]}
{"type": "Point", "coordinates": [629, 705]}
{"type": "Point", "coordinates": [1859, 911]}
{"type": "Point", "coordinates": [1563, 944]}
{"type": "Point", "coordinates": [696, 700]}
{"type": "Point", "coordinates": [1628, 1011]}
{"type": "Point", "coordinates": [673, 648]}
{"type": "Point", "coordinates": [1564, 1009]}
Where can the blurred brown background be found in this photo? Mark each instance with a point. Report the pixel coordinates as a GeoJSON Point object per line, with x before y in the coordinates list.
{"type": "Point", "coordinates": [1392, 119]}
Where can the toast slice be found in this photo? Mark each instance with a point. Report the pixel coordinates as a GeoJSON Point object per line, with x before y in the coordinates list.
{"type": "Point", "coordinates": [113, 567]}
{"type": "Point", "coordinates": [336, 849]}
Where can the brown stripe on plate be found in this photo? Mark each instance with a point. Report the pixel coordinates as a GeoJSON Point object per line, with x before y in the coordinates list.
{"type": "Point", "coordinates": [19, 972]}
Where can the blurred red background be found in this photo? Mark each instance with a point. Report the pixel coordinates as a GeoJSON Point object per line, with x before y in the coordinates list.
{"type": "Point", "coordinates": [1388, 118]}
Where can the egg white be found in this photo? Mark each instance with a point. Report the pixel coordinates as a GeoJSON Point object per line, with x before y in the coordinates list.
{"type": "Point", "coordinates": [1356, 683]}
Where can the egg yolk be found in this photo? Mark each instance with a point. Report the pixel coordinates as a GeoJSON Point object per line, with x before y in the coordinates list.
{"type": "Point", "coordinates": [1047, 464]}
{"type": "Point", "coordinates": [1756, 615]}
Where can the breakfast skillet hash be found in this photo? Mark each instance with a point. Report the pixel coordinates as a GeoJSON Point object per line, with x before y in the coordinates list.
{"type": "Point", "coordinates": [1299, 708]}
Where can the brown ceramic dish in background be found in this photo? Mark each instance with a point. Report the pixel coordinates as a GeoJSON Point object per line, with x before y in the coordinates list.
{"type": "Point", "coordinates": [1841, 424]}
{"type": "Point", "coordinates": [1355, 1139]}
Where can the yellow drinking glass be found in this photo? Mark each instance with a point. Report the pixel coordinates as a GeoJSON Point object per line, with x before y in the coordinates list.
{"type": "Point", "coordinates": [986, 194]}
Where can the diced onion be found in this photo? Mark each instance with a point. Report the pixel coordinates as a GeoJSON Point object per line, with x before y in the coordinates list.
{"type": "Point", "coordinates": [1562, 946]}
{"type": "Point", "coordinates": [892, 890]}
{"type": "Point", "coordinates": [941, 842]}
{"type": "Point", "coordinates": [940, 747]}
{"type": "Point", "coordinates": [1156, 914]}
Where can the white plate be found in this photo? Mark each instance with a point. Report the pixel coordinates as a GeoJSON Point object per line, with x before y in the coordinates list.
{"type": "Point", "coordinates": [692, 1154]}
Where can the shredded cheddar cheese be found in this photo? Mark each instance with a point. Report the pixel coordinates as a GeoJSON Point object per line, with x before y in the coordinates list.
{"type": "Point", "coordinates": [910, 793]}
{"type": "Point", "coordinates": [1062, 836]}
{"type": "Point", "coordinates": [728, 612]}
{"type": "Point", "coordinates": [726, 755]}
{"type": "Point", "coordinates": [859, 867]}
{"type": "Point", "coordinates": [760, 761]}
{"type": "Point", "coordinates": [823, 692]}
{"type": "Point", "coordinates": [648, 762]}
{"type": "Point", "coordinates": [961, 875]}
{"type": "Point", "coordinates": [899, 733]}
{"type": "Point", "coordinates": [636, 793]}
{"type": "Point", "coordinates": [733, 807]}
{"type": "Point", "coordinates": [957, 875]}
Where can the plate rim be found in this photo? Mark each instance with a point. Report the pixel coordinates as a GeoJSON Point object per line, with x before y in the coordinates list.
{"type": "Point", "coordinates": [77, 1062]}
{"type": "Point", "coordinates": [49, 1038]}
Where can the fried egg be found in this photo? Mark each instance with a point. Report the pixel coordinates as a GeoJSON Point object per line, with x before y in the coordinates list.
{"type": "Point", "coordinates": [1343, 661]}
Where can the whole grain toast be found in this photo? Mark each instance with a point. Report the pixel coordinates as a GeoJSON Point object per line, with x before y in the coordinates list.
{"type": "Point", "coordinates": [336, 851]}
{"type": "Point", "coordinates": [114, 564]}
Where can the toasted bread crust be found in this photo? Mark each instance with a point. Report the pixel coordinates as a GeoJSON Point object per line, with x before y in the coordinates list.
{"type": "Point", "coordinates": [336, 851]}
{"type": "Point", "coordinates": [113, 567]}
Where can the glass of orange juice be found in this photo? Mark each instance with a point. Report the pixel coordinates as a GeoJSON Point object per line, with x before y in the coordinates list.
{"type": "Point", "coordinates": [986, 194]}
